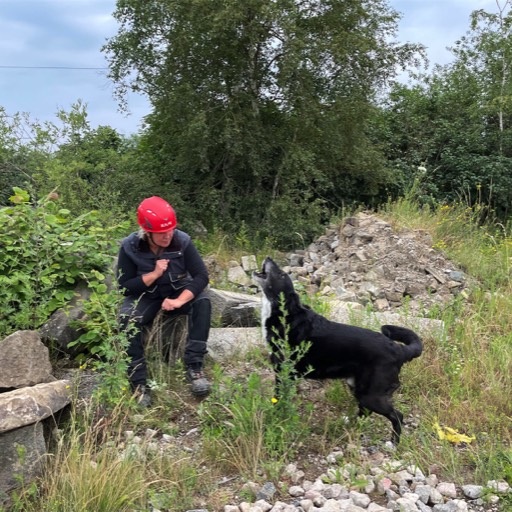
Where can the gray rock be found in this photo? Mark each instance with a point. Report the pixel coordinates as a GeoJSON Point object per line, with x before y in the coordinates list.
{"type": "Point", "coordinates": [32, 404]}
{"type": "Point", "coordinates": [234, 309]}
{"type": "Point", "coordinates": [407, 505]}
{"type": "Point", "coordinates": [499, 486]}
{"type": "Point", "coordinates": [447, 489]}
{"type": "Point", "coordinates": [21, 455]}
{"type": "Point", "coordinates": [224, 343]}
{"type": "Point", "coordinates": [359, 499]}
{"type": "Point", "coordinates": [266, 492]}
{"type": "Point", "coordinates": [59, 329]}
{"type": "Point", "coordinates": [423, 492]}
{"type": "Point", "coordinates": [238, 276]}
{"type": "Point", "coordinates": [472, 491]}
{"type": "Point", "coordinates": [24, 360]}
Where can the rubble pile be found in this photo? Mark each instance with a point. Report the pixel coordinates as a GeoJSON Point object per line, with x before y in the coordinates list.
{"type": "Point", "coordinates": [365, 260]}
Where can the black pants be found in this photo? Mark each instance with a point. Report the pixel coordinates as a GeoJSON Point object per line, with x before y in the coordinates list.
{"type": "Point", "coordinates": [138, 314]}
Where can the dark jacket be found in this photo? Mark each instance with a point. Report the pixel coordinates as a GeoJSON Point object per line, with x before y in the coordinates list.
{"type": "Point", "coordinates": [186, 270]}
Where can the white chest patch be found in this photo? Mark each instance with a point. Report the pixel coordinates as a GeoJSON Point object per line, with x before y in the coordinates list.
{"type": "Point", "coordinates": [266, 310]}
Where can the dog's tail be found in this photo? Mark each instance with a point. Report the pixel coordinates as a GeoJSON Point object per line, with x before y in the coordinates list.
{"type": "Point", "coordinates": [413, 346]}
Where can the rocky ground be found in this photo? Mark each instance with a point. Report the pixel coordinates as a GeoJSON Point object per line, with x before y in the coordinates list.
{"type": "Point", "coordinates": [363, 261]}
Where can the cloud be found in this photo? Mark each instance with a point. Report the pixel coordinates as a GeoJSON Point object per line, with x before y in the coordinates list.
{"type": "Point", "coordinates": [70, 33]}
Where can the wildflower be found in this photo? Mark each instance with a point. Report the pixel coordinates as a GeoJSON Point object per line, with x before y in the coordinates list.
{"type": "Point", "coordinates": [274, 400]}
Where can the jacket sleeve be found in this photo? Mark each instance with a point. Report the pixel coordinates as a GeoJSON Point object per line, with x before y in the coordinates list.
{"type": "Point", "coordinates": [197, 269]}
{"type": "Point", "coordinates": [129, 282]}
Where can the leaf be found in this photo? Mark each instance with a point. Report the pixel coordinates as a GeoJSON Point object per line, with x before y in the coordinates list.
{"type": "Point", "coordinates": [20, 196]}
{"type": "Point", "coordinates": [101, 288]}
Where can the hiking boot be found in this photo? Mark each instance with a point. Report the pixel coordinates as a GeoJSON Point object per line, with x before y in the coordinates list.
{"type": "Point", "coordinates": [142, 397]}
{"type": "Point", "coordinates": [198, 383]}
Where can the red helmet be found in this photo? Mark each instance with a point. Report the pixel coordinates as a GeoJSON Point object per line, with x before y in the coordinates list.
{"type": "Point", "coordinates": [155, 215]}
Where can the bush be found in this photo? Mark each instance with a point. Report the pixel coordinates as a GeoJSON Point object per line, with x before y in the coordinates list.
{"type": "Point", "coordinates": [45, 253]}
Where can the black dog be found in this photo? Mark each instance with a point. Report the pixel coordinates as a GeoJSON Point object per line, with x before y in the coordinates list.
{"type": "Point", "coordinates": [370, 361]}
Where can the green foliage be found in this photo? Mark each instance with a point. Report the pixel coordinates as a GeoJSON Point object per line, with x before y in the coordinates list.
{"type": "Point", "coordinates": [258, 429]}
{"type": "Point", "coordinates": [87, 165]}
{"type": "Point", "coordinates": [103, 347]}
{"type": "Point", "coordinates": [455, 124]}
{"type": "Point", "coordinates": [46, 253]}
{"type": "Point", "coordinates": [261, 110]}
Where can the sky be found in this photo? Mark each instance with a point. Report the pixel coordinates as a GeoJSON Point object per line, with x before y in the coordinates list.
{"type": "Point", "coordinates": [41, 41]}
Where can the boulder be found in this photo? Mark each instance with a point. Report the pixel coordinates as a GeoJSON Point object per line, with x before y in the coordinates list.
{"type": "Point", "coordinates": [24, 360]}
{"type": "Point", "coordinates": [232, 309]}
{"type": "Point", "coordinates": [32, 404]}
{"type": "Point", "coordinates": [21, 456]}
{"type": "Point", "coordinates": [58, 331]}
{"type": "Point", "coordinates": [227, 342]}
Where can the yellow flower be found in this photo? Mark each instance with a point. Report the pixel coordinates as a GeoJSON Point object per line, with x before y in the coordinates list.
{"type": "Point", "coordinates": [274, 400]}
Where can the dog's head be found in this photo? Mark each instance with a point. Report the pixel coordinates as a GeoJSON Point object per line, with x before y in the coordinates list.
{"type": "Point", "coordinates": [273, 281]}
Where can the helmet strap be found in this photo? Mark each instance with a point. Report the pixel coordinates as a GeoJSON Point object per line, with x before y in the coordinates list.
{"type": "Point", "coordinates": [159, 248]}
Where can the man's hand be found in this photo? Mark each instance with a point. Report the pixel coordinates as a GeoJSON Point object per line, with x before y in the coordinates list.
{"type": "Point", "coordinates": [161, 267]}
{"type": "Point", "coordinates": [172, 304]}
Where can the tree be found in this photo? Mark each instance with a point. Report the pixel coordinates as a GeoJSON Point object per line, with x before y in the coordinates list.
{"type": "Point", "coordinates": [260, 108]}
{"type": "Point", "coordinates": [457, 122]}
{"type": "Point", "coordinates": [83, 165]}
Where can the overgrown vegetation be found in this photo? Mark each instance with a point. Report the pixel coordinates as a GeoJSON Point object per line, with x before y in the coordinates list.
{"type": "Point", "coordinates": [46, 253]}
{"type": "Point", "coordinates": [240, 433]}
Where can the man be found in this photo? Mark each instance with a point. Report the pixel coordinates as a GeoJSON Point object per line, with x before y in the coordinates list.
{"type": "Point", "coordinates": [159, 268]}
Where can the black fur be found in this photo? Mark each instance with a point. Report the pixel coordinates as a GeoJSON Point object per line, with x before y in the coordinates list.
{"type": "Point", "coordinates": [370, 361]}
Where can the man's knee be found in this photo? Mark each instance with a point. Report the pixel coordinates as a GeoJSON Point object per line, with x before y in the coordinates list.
{"type": "Point", "coordinates": [202, 306]}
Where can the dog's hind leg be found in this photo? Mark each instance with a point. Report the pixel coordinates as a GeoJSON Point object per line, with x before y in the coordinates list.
{"type": "Point", "coordinates": [382, 405]}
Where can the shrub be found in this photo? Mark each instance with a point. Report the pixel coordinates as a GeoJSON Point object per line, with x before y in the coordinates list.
{"type": "Point", "coordinates": [45, 253]}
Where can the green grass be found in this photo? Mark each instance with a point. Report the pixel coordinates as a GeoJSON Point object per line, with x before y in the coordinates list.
{"type": "Point", "coordinates": [463, 380]}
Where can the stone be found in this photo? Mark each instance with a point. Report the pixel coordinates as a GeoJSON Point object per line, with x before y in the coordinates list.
{"type": "Point", "coordinates": [407, 505]}
{"type": "Point", "coordinates": [359, 499]}
{"type": "Point", "coordinates": [374, 507]}
{"type": "Point", "coordinates": [472, 491]}
{"type": "Point", "coordinates": [22, 455]}
{"type": "Point", "coordinates": [59, 329]}
{"type": "Point", "coordinates": [447, 489]}
{"type": "Point", "coordinates": [228, 342]}
{"type": "Point", "coordinates": [234, 309]}
{"type": "Point", "coordinates": [266, 492]}
{"type": "Point", "coordinates": [24, 360]}
{"type": "Point", "coordinates": [238, 276]}
{"type": "Point", "coordinates": [32, 404]}
{"type": "Point", "coordinates": [249, 263]}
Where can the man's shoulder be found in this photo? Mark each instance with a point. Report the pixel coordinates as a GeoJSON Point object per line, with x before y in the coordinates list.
{"type": "Point", "coordinates": [182, 237]}
{"type": "Point", "coordinates": [131, 241]}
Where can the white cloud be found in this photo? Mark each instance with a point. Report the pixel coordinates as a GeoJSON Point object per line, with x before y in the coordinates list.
{"type": "Point", "coordinates": [437, 24]}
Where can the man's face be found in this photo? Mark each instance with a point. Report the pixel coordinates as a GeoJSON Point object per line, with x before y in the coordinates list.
{"type": "Point", "coordinates": [162, 239]}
